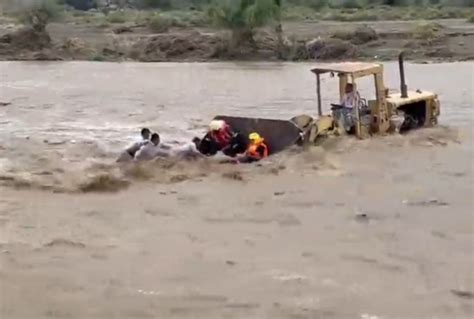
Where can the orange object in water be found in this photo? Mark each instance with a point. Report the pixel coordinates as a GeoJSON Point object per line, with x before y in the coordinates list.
{"type": "Point", "coordinates": [257, 149]}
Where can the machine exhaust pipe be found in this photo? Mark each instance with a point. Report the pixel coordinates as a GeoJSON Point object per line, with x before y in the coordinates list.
{"type": "Point", "coordinates": [403, 85]}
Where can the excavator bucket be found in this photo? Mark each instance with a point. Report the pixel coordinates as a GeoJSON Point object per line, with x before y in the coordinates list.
{"type": "Point", "coordinates": [278, 134]}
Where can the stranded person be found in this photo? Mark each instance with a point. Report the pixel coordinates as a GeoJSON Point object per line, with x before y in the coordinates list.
{"type": "Point", "coordinates": [130, 151]}
{"type": "Point", "coordinates": [221, 137]}
{"type": "Point", "coordinates": [150, 150]}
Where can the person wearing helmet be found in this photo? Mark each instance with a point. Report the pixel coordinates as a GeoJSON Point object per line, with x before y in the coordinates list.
{"type": "Point", "coordinates": [256, 150]}
{"type": "Point", "coordinates": [218, 138]}
{"type": "Point", "coordinates": [220, 133]}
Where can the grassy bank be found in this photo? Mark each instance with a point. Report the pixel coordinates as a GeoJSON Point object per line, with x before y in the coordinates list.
{"type": "Point", "coordinates": [186, 17]}
{"type": "Point", "coordinates": [191, 13]}
{"type": "Point", "coordinates": [377, 13]}
{"type": "Point", "coordinates": [160, 21]}
{"type": "Point", "coordinates": [191, 34]}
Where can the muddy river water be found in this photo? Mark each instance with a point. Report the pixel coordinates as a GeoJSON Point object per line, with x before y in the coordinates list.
{"type": "Point", "coordinates": [380, 228]}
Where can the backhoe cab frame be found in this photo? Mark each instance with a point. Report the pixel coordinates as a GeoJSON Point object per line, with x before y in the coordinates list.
{"type": "Point", "coordinates": [349, 72]}
{"type": "Point", "coordinates": [417, 108]}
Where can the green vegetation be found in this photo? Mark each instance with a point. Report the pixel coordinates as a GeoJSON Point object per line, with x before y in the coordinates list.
{"type": "Point", "coordinates": [189, 18]}
{"type": "Point", "coordinates": [243, 17]}
{"type": "Point", "coordinates": [313, 4]}
{"type": "Point", "coordinates": [159, 23]}
{"type": "Point", "coordinates": [98, 58]}
{"type": "Point", "coordinates": [38, 14]}
{"type": "Point", "coordinates": [372, 13]}
{"type": "Point", "coordinates": [117, 17]}
{"type": "Point", "coordinates": [471, 19]}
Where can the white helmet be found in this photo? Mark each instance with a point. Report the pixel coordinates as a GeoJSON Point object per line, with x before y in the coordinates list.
{"type": "Point", "coordinates": [216, 125]}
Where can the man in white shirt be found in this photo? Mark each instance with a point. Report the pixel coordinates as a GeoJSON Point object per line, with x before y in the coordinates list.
{"type": "Point", "coordinates": [151, 149]}
{"type": "Point", "coordinates": [351, 98]}
{"type": "Point", "coordinates": [187, 150]}
{"type": "Point", "coordinates": [130, 151]}
{"type": "Point", "coordinates": [349, 102]}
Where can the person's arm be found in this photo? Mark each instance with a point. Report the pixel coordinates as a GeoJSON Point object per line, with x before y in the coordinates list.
{"type": "Point", "coordinates": [133, 149]}
{"type": "Point", "coordinates": [357, 100]}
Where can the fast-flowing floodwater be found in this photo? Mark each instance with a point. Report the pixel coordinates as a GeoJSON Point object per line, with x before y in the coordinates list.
{"type": "Point", "coordinates": [108, 102]}
{"type": "Point", "coordinates": [90, 110]}
{"type": "Point", "coordinates": [380, 228]}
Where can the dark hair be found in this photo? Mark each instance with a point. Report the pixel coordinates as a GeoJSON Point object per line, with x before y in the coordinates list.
{"type": "Point", "coordinates": [145, 130]}
{"type": "Point", "coordinates": [196, 140]}
{"type": "Point", "coordinates": [155, 136]}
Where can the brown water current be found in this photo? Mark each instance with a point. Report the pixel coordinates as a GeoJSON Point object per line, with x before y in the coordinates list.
{"type": "Point", "coordinates": [380, 228]}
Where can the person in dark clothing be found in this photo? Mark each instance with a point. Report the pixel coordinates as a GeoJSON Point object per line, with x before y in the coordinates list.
{"type": "Point", "coordinates": [207, 146]}
{"type": "Point", "coordinates": [220, 132]}
{"type": "Point", "coordinates": [238, 145]}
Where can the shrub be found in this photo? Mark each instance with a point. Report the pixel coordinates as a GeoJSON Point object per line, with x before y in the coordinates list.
{"type": "Point", "coordinates": [351, 4]}
{"type": "Point", "coordinates": [243, 17]}
{"type": "Point", "coordinates": [392, 15]}
{"type": "Point", "coordinates": [163, 4]}
{"type": "Point", "coordinates": [300, 13]}
{"type": "Point", "coordinates": [317, 4]}
{"type": "Point", "coordinates": [98, 58]}
{"type": "Point", "coordinates": [159, 23]}
{"type": "Point", "coordinates": [81, 4]}
{"type": "Point", "coordinates": [116, 17]}
{"type": "Point", "coordinates": [187, 18]}
{"type": "Point", "coordinates": [432, 14]}
{"type": "Point", "coordinates": [364, 34]}
{"type": "Point", "coordinates": [363, 16]}
{"type": "Point", "coordinates": [40, 13]}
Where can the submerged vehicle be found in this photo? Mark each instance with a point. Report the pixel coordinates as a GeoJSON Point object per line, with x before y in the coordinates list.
{"type": "Point", "coordinates": [389, 112]}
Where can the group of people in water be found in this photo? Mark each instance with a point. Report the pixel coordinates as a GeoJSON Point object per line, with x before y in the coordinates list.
{"type": "Point", "coordinates": [220, 137]}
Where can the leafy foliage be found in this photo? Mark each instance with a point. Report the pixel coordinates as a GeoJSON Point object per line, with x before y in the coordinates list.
{"type": "Point", "coordinates": [116, 17]}
{"type": "Point", "coordinates": [81, 4]}
{"type": "Point", "coordinates": [242, 17]}
{"type": "Point", "coordinates": [39, 13]}
{"type": "Point", "coordinates": [159, 23]}
{"type": "Point", "coordinates": [243, 13]}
